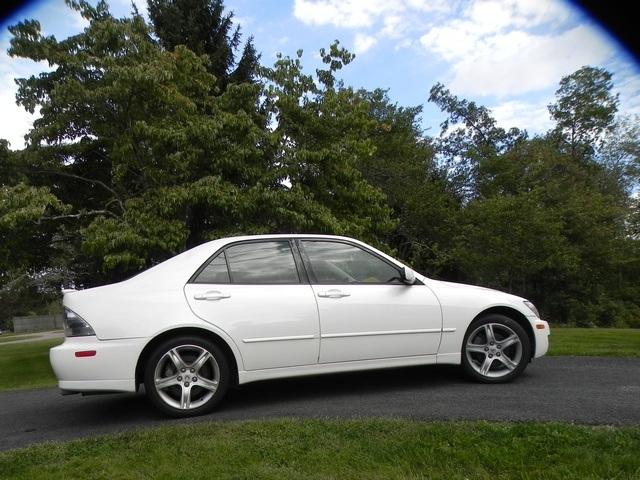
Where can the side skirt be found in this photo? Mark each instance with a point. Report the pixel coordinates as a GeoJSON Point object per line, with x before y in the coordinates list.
{"type": "Point", "coordinates": [245, 376]}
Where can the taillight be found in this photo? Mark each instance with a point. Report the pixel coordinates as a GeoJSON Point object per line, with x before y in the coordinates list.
{"type": "Point", "coordinates": [75, 325]}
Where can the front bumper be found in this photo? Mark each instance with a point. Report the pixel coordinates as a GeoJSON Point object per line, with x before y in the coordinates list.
{"type": "Point", "coordinates": [112, 368]}
{"type": "Point", "coordinates": [541, 332]}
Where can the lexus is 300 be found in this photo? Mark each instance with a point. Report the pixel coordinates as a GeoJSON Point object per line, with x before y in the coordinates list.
{"type": "Point", "coordinates": [242, 309]}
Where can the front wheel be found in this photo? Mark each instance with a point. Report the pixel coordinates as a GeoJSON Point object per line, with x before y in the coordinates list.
{"type": "Point", "coordinates": [496, 349]}
{"type": "Point", "coordinates": [186, 376]}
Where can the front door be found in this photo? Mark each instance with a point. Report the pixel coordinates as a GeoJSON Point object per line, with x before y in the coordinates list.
{"type": "Point", "coordinates": [366, 311]}
{"type": "Point", "coordinates": [254, 292]}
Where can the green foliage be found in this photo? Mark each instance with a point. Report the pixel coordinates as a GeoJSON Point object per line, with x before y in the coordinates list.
{"type": "Point", "coordinates": [149, 158]}
{"type": "Point", "coordinates": [620, 155]}
{"type": "Point", "coordinates": [204, 28]}
{"type": "Point", "coordinates": [29, 253]}
{"type": "Point", "coordinates": [153, 138]}
{"type": "Point", "coordinates": [585, 108]}
{"type": "Point", "coordinates": [404, 167]}
{"type": "Point", "coordinates": [319, 145]}
{"type": "Point", "coordinates": [26, 365]}
{"type": "Point", "coordinates": [540, 221]}
{"type": "Point", "coordinates": [600, 342]}
{"type": "Point", "coordinates": [354, 449]}
{"type": "Point", "coordinates": [469, 135]}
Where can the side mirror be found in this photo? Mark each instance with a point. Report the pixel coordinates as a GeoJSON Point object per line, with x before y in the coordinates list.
{"type": "Point", "coordinates": [408, 276]}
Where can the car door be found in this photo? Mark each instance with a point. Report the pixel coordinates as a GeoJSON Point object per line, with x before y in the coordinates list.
{"type": "Point", "coordinates": [256, 291]}
{"type": "Point", "coordinates": [366, 311]}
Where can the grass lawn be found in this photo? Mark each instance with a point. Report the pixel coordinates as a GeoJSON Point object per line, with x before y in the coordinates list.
{"type": "Point", "coordinates": [323, 449]}
{"type": "Point", "coordinates": [607, 342]}
{"type": "Point", "coordinates": [12, 337]}
{"type": "Point", "coordinates": [26, 365]}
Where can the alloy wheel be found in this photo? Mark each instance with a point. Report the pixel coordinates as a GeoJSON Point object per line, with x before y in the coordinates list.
{"type": "Point", "coordinates": [186, 377]}
{"type": "Point", "coordinates": [494, 350]}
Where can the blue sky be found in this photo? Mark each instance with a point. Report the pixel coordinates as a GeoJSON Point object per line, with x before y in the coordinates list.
{"type": "Point", "coordinates": [506, 54]}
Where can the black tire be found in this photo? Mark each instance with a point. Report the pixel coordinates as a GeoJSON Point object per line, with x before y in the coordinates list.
{"type": "Point", "coordinates": [499, 369]}
{"type": "Point", "coordinates": [168, 399]}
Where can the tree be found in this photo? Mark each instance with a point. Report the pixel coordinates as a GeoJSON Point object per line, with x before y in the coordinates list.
{"type": "Point", "coordinates": [545, 229]}
{"type": "Point", "coordinates": [540, 219]}
{"type": "Point", "coordinates": [404, 167]}
{"type": "Point", "coordinates": [204, 28]}
{"type": "Point", "coordinates": [134, 128]}
{"type": "Point", "coordinates": [468, 136]}
{"type": "Point", "coordinates": [140, 152]}
{"type": "Point", "coordinates": [32, 259]}
{"type": "Point", "coordinates": [619, 154]}
{"type": "Point", "coordinates": [149, 158]}
{"type": "Point", "coordinates": [584, 109]}
{"type": "Point", "coordinates": [320, 139]}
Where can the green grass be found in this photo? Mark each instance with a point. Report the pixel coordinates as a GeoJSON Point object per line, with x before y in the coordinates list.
{"type": "Point", "coordinates": [12, 337]}
{"type": "Point", "coordinates": [606, 342]}
{"type": "Point", "coordinates": [322, 449]}
{"type": "Point", "coordinates": [26, 365]}
{"type": "Point", "coordinates": [8, 334]}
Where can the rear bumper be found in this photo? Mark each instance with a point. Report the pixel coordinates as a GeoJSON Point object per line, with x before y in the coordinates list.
{"type": "Point", "coordinates": [541, 332]}
{"type": "Point", "coordinates": [111, 368]}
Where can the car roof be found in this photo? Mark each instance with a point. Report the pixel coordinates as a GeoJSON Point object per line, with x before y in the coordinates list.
{"type": "Point", "coordinates": [282, 235]}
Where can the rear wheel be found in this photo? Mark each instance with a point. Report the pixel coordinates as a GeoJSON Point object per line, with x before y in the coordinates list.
{"type": "Point", "coordinates": [186, 376]}
{"type": "Point", "coordinates": [496, 349]}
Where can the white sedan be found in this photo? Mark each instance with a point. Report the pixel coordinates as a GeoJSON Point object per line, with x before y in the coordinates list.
{"type": "Point", "coordinates": [242, 309]}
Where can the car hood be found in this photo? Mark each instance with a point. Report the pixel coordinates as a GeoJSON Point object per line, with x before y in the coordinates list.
{"type": "Point", "coordinates": [450, 293]}
{"type": "Point", "coordinates": [467, 287]}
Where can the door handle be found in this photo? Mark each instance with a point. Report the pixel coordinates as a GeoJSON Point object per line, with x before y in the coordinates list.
{"type": "Point", "coordinates": [333, 293]}
{"type": "Point", "coordinates": [211, 295]}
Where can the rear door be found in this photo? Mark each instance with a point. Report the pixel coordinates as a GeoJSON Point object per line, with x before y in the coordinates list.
{"type": "Point", "coordinates": [366, 311]}
{"type": "Point", "coordinates": [257, 292]}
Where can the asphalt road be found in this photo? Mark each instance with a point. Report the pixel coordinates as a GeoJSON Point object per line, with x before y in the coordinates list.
{"type": "Point", "coordinates": [573, 389]}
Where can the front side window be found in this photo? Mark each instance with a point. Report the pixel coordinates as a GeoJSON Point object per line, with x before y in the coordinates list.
{"type": "Point", "coordinates": [262, 263]}
{"type": "Point", "coordinates": [341, 263]}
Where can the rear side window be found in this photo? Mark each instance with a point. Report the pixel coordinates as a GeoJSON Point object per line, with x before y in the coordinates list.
{"type": "Point", "coordinates": [262, 263]}
{"type": "Point", "coordinates": [215, 272]}
{"type": "Point", "coordinates": [252, 263]}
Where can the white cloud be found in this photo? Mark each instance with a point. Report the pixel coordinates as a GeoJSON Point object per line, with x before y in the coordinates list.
{"type": "Point", "coordinates": [394, 26]}
{"type": "Point", "coordinates": [534, 117]}
{"type": "Point", "coordinates": [518, 62]}
{"type": "Point", "coordinates": [627, 85]}
{"type": "Point", "coordinates": [79, 22]}
{"type": "Point", "coordinates": [362, 43]}
{"type": "Point", "coordinates": [141, 5]}
{"type": "Point", "coordinates": [451, 42]}
{"type": "Point", "coordinates": [488, 16]}
{"type": "Point", "coordinates": [495, 48]}
{"type": "Point", "coordinates": [430, 5]}
{"type": "Point", "coordinates": [374, 19]}
{"type": "Point", "coordinates": [362, 13]}
{"type": "Point", "coordinates": [15, 121]}
{"type": "Point", "coordinates": [244, 22]}
{"type": "Point", "coordinates": [341, 13]}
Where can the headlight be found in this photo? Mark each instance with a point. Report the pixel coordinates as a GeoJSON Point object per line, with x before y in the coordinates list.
{"type": "Point", "coordinates": [532, 307]}
{"type": "Point", "coordinates": [75, 325]}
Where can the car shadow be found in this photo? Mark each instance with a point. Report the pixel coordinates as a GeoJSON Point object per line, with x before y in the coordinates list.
{"type": "Point", "coordinates": [264, 396]}
{"type": "Point", "coordinates": [343, 384]}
